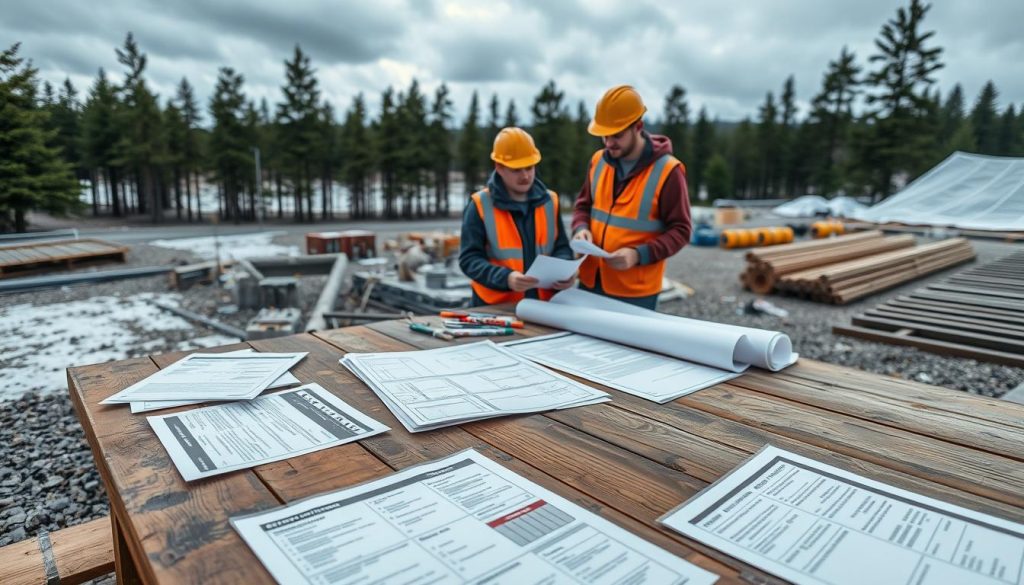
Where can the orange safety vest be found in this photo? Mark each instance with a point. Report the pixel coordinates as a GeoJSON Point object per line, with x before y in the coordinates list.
{"type": "Point", "coordinates": [628, 221]}
{"type": "Point", "coordinates": [505, 246]}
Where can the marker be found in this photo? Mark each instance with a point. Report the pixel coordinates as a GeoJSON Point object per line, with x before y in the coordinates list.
{"type": "Point", "coordinates": [438, 333]}
{"type": "Point", "coordinates": [482, 332]}
{"type": "Point", "coordinates": [498, 322]}
{"type": "Point", "coordinates": [461, 314]}
{"type": "Point", "coordinates": [458, 324]}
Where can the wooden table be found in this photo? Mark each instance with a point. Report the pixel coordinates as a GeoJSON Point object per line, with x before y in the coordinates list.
{"type": "Point", "coordinates": [629, 460]}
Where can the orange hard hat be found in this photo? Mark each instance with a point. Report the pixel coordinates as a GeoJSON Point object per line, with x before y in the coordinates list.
{"type": "Point", "coordinates": [515, 149]}
{"type": "Point", "coordinates": [619, 107]}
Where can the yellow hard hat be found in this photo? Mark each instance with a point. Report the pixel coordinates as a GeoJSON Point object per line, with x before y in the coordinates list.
{"type": "Point", "coordinates": [619, 107]}
{"type": "Point", "coordinates": [515, 149]}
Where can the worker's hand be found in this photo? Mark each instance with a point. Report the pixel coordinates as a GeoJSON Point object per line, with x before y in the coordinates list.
{"type": "Point", "coordinates": [519, 282]}
{"type": "Point", "coordinates": [623, 259]}
{"type": "Point", "coordinates": [564, 284]}
{"type": "Point", "coordinates": [584, 234]}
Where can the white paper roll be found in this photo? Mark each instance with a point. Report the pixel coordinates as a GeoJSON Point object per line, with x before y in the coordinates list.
{"type": "Point", "coordinates": [729, 347]}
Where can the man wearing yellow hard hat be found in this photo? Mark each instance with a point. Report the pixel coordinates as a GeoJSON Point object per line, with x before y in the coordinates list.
{"type": "Point", "coordinates": [510, 222]}
{"type": "Point", "coordinates": [633, 203]}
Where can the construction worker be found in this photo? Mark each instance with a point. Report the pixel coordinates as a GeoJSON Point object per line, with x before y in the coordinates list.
{"type": "Point", "coordinates": [511, 221]}
{"type": "Point", "coordinates": [633, 203]}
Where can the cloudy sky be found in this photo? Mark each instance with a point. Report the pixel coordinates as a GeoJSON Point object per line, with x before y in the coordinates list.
{"type": "Point", "coordinates": [726, 53]}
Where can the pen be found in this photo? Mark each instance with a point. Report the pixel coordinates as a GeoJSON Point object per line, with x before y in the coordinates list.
{"type": "Point", "coordinates": [438, 333]}
{"type": "Point", "coordinates": [482, 332]}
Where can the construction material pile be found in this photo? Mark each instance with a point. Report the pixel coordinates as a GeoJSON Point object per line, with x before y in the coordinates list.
{"type": "Point", "coordinates": [845, 268]}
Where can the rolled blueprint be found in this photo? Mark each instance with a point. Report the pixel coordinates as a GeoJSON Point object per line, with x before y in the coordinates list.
{"type": "Point", "coordinates": [729, 347]}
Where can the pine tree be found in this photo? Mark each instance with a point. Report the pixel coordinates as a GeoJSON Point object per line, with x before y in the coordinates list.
{"type": "Point", "coordinates": [900, 139]}
{"type": "Point", "coordinates": [99, 137]}
{"type": "Point", "coordinates": [553, 133]}
{"type": "Point", "coordinates": [493, 119]}
{"type": "Point", "coordinates": [511, 118]}
{"type": "Point", "coordinates": [985, 120]}
{"type": "Point", "coordinates": [33, 176]}
{"type": "Point", "coordinates": [952, 114]}
{"type": "Point", "coordinates": [229, 148]}
{"type": "Point", "coordinates": [141, 146]}
{"type": "Point", "coordinates": [66, 118]}
{"type": "Point", "coordinates": [1007, 131]}
{"type": "Point", "coordinates": [471, 148]}
{"type": "Point", "coordinates": [356, 167]}
{"type": "Point", "coordinates": [190, 154]}
{"type": "Point", "coordinates": [389, 142]}
{"type": "Point", "coordinates": [767, 141]}
{"type": "Point", "coordinates": [441, 147]}
{"type": "Point", "coordinates": [176, 133]}
{"type": "Point", "coordinates": [784, 154]}
{"type": "Point", "coordinates": [676, 122]}
{"type": "Point", "coordinates": [832, 117]}
{"type": "Point", "coordinates": [744, 159]}
{"type": "Point", "coordinates": [583, 148]}
{"type": "Point", "coordinates": [299, 119]}
{"type": "Point", "coordinates": [718, 178]}
{"type": "Point", "coordinates": [415, 155]}
{"type": "Point", "coordinates": [703, 144]}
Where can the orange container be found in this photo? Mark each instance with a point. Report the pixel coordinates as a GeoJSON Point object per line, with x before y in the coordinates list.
{"type": "Point", "coordinates": [781, 235]}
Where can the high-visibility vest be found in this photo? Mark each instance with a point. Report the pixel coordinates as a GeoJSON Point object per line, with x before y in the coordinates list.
{"type": "Point", "coordinates": [505, 246]}
{"type": "Point", "coordinates": [628, 221]}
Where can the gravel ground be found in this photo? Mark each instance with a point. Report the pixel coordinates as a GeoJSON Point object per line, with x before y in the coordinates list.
{"type": "Point", "coordinates": [48, 480]}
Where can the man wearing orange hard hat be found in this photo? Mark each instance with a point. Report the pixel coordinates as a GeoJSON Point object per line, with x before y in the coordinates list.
{"type": "Point", "coordinates": [510, 222]}
{"type": "Point", "coordinates": [633, 203]}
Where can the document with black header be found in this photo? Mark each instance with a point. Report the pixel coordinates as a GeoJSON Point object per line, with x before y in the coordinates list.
{"type": "Point", "coordinates": [462, 519]}
{"type": "Point", "coordinates": [809, 522]}
{"type": "Point", "coordinates": [238, 435]}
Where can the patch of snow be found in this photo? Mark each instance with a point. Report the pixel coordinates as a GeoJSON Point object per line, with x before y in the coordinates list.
{"type": "Point", "coordinates": [231, 247]}
{"type": "Point", "coordinates": [38, 342]}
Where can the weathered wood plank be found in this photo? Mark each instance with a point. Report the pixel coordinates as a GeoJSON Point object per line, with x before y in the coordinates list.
{"type": "Point", "coordinates": [957, 467]}
{"type": "Point", "coordinates": [968, 431]}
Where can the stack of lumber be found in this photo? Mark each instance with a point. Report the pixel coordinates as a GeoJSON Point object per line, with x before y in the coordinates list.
{"type": "Point", "coordinates": [843, 282]}
{"type": "Point", "coordinates": [842, 269]}
{"type": "Point", "coordinates": [765, 267]}
{"type": "Point", "coordinates": [977, 313]}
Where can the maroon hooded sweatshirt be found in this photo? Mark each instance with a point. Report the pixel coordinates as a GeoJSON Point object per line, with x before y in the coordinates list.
{"type": "Point", "coordinates": [673, 203]}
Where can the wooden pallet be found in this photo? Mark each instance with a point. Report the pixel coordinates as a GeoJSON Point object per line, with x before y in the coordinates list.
{"type": "Point", "coordinates": [43, 256]}
{"type": "Point", "coordinates": [977, 313]}
{"type": "Point", "coordinates": [72, 555]}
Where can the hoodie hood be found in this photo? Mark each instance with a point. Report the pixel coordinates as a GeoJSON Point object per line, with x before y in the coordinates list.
{"type": "Point", "coordinates": [655, 146]}
{"type": "Point", "coordinates": [537, 195]}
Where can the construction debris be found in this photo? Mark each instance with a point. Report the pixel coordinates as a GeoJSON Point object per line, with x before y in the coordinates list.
{"type": "Point", "coordinates": [274, 323]}
{"type": "Point", "coordinates": [328, 295]}
{"type": "Point", "coordinates": [197, 318]}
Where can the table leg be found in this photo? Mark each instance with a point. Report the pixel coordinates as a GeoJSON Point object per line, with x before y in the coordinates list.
{"type": "Point", "coordinates": [124, 567]}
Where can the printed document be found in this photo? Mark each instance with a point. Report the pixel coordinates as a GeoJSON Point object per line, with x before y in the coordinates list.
{"type": "Point", "coordinates": [434, 388]}
{"type": "Point", "coordinates": [642, 373]}
{"type": "Point", "coordinates": [238, 435]}
{"type": "Point", "coordinates": [210, 376]}
{"type": "Point", "coordinates": [809, 522]}
{"type": "Point", "coordinates": [462, 519]}
{"type": "Point", "coordinates": [549, 270]}
{"type": "Point", "coordinates": [286, 379]}
{"type": "Point", "coordinates": [588, 248]}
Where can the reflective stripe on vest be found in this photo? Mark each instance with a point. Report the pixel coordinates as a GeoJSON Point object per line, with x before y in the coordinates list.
{"type": "Point", "coordinates": [642, 222]}
{"type": "Point", "coordinates": [516, 253]}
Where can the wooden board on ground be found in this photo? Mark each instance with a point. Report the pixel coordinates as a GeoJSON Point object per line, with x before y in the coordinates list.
{"type": "Point", "coordinates": [977, 313]}
{"type": "Point", "coordinates": [43, 256]}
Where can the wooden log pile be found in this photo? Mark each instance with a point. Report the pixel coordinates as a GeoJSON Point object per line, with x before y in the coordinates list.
{"type": "Point", "coordinates": [842, 269]}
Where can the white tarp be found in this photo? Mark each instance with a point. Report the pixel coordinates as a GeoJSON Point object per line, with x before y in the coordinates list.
{"type": "Point", "coordinates": [844, 206]}
{"type": "Point", "coordinates": [968, 191]}
{"type": "Point", "coordinates": [806, 206]}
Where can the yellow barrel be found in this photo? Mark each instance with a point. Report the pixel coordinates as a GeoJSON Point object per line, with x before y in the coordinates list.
{"type": "Point", "coordinates": [736, 238]}
{"type": "Point", "coordinates": [782, 235]}
{"type": "Point", "coordinates": [821, 229]}
{"type": "Point", "coordinates": [765, 236]}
